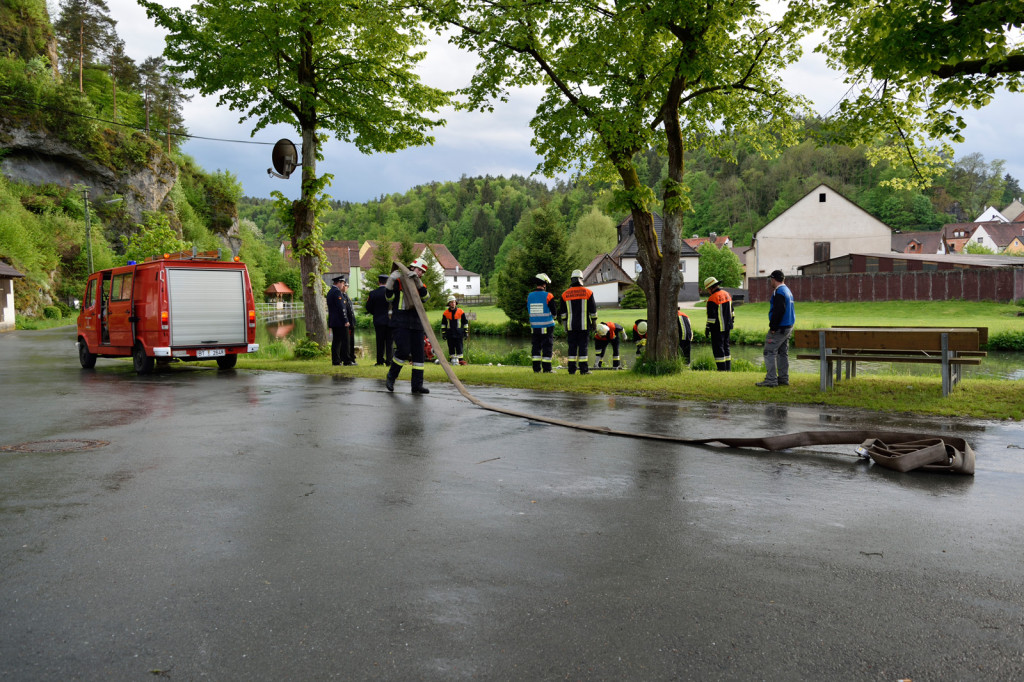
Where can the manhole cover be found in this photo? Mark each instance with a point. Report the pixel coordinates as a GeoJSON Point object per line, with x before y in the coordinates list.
{"type": "Point", "coordinates": [55, 446]}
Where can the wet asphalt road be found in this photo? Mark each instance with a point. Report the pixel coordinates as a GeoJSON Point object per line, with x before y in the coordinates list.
{"type": "Point", "coordinates": [260, 526]}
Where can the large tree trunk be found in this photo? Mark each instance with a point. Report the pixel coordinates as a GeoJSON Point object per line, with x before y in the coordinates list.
{"type": "Point", "coordinates": [659, 275]}
{"type": "Point", "coordinates": [303, 233]}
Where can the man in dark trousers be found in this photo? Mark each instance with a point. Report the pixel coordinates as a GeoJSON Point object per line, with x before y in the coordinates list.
{"type": "Point", "coordinates": [542, 308]}
{"type": "Point", "coordinates": [781, 318]}
{"type": "Point", "coordinates": [350, 313]}
{"type": "Point", "coordinates": [579, 312]}
{"type": "Point", "coordinates": [339, 321]}
{"type": "Point", "coordinates": [407, 328]}
{"type": "Point", "coordinates": [377, 305]}
{"type": "Point", "coordinates": [720, 321]}
{"type": "Point", "coordinates": [685, 335]}
{"type": "Point", "coordinates": [605, 334]}
{"type": "Point", "coordinates": [454, 328]}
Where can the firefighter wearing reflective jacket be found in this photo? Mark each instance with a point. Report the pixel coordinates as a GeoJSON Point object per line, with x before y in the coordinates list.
{"type": "Point", "coordinates": [580, 315]}
{"type": "Point", "coordinates": [608, 333]}
{"type": "Point", "coordinates": [720, 321]}
{"type": "Point", "coordinates": [454, 328]}
{"type": "Point", "coordinates": [542, 308]}
{"type": "Point", "coordinates": [408, 332]}
{"type": "Point", "coordinates": [685, 336]}
{"type": "Point", "coordinates": [640, 335]}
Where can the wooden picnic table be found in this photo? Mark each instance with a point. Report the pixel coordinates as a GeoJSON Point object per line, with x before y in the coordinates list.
{"type": "Point", "coordinates": [950, 347]}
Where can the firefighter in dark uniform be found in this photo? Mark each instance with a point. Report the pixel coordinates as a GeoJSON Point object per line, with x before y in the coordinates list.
{"type": "Point", "coordinates": [339, 320]}
{"type": "Point", "coordinates": [543, 309]}
{"type": "Point", "coordinates": [377, 305]}
{"type": "Point", "coordinates": [454, 328]}
{"type": "Point", "coordinates": [640, 336]}
{"type": "Point", "coordinates": [408, 332]}
{"type": "Point", "coordinates": [720, 321]}
{"type": "Point", "coordinates": [579, 314]}
{"type": "Point", "coordinates": [608, 333]}
{"type": "Point", "coordinates": [685, 336]}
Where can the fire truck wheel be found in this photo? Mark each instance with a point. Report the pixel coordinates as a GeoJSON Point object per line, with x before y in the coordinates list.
{"type": "Point", "coordinates": [87, 359]}
{"type": "Point", "coordinates": [227, 362]}
{"type": "Point", "coordinates": [143, 363]}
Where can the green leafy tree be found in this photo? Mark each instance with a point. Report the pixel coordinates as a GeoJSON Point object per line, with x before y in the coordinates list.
{"type": "Point", "coordinates": [540, 246]}
{"type": "Point", "coordinates": [326, 67]}
{"type": "Point", "coordinates": [153, 238]}
{"type": "Point", "coordinates": [594, 235]}
{"type": "Point", "coordinates": [979, 249]}
{"type": "Point", "coordinates": [913, 64]}
{"type": "Point", "coordinates": [722, 264]}
{"type": "Point", "coordinates": [622, 77]}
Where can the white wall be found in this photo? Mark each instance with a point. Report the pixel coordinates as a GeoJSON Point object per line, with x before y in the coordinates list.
{"type": "Point", "coordinates": [462, 285]}
{"type": "Point", "coordinates": [787, 242]}
{"type": "Point", "coordinates": [6, 304]}
{"type": "Point", "coordinates": [606, 293]}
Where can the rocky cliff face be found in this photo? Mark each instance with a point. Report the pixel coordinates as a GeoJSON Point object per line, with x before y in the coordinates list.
{"type": "Point", "coordinates": [35, 157]}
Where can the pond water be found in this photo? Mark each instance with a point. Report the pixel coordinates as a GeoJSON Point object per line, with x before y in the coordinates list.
{"type": "Point", "coordinates": [997, 365]}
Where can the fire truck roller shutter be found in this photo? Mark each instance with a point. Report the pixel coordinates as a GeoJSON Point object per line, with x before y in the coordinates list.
{"type": "Point", "coordinates": [207, 307]}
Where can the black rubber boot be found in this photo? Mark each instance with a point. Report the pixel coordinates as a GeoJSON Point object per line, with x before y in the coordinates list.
{"type": "Point", "coordinates": [417, 382]}
{"type": "Point", "coordinates": [584, 368]}
{"type": "Point", "coordinates": [536, 366]}
{"type": "Point", "coordinates": [547, 367]}
{"type": "Point", "coordinates": [572, 367]}
{"type": "Point", "coordinates": [393, 371]}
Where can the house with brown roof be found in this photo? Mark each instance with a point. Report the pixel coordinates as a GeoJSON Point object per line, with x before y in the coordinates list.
{"type": "Point", "coordinates": [721, 241]}
{"type": "Point", "coordinates": [7, 277]}
{"type": "Point", "coordinates": [626, 256]}
{"type": "Point", "coordinates": [999, 236]}
{"type": "Point", "coordinates": [606, 279]}
{"type": "Point", "coordinates": [918, 242]}
{"type": "Point", "coordinates": [457, 280]}
{"type": "Point", "coordinates": [342, 260]}
{"type": "Point", "coordinates": [1015, 211]}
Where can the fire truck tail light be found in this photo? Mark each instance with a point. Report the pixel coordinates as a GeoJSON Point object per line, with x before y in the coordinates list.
{"type": "Point", "coordinates": [164, 317]}
{"type": "Point", "coordinates": [252, 318]}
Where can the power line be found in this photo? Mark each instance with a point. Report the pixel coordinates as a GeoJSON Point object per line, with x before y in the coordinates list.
{"type": "Point", "coordinates": [39, 105]}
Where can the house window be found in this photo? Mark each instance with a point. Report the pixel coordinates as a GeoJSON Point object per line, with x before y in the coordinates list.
{"type": "Point", "coordinates": [467, 279]}
{"type": "Point", "coordinates": [870, 264]}
{"type": "Point", "coordinates": [682, 266]}
{"type": "Point", "coordinates": [980, 239]}
{"type": "Point", "coordinates": [821, 198]}
{"type": "Point", "coordinates": [822, 251]}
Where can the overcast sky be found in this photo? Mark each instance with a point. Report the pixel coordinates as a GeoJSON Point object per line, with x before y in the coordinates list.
{"type": "Point", "coordinates": [474, 144]}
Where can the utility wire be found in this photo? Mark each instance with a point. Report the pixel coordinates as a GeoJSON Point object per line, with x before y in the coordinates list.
{"type": "Point", "coordinates": [38, 105]}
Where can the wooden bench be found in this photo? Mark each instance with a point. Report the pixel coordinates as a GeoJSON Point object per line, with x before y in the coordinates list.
{"type": "Point", "coordinates": [950, 347]}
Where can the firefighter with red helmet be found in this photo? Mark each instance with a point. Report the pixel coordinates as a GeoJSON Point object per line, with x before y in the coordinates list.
{"type": "Point", "coordinates": [605, 334]}
{"type": "Point", "coordinates": [579, 314]}
{"type": "Point", "coordinates": [454, 328]}
{"type": "Point", "coordinates": [408, 332]}
{"type": "Point", "coordinates": [720, 322]}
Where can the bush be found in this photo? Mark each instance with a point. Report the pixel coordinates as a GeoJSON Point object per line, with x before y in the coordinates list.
{"type": "Point", "coordinates": [308, 349]}
{"type": "Point", "coordinates": [520, 357]}
{"type": "Point", "coordinates": [52, 312]}
{"type": "Point", "coordinates": [1011, 341]}
{"type": "Point", "coordinates": [655, 368]}
{"type": "Point", "coordinates": [634, 298]}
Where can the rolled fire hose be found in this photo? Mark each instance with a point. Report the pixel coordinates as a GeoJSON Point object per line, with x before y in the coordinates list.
{"type": "Point", "coordinates": [897, 450]}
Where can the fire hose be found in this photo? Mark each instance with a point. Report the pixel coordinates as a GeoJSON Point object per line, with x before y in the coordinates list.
{"type": "Point", "coordinates": [897, 450]}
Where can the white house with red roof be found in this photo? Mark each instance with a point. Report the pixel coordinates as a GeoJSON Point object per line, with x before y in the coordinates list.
{"type": "Point", "coordinates": [457, 280]}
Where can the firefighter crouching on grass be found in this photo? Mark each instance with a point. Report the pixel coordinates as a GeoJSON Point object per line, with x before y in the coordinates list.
{"type": "Point", "coordinates": [454, 328]}
{"type": "Point", "coordinates": [720, 321]}
{"type": "Point", "coordinates": [605, 334]}
{"type": "Point", "coordinates": [685, 336]}
{"type": "Point", "coordinates": [640, 336]}
{"type": "Point", "coordinates": [580, 315]}
{"type": "Point", "coordinates": [408, 332]}
{"type": "Point", "coordinates": [542, 308]}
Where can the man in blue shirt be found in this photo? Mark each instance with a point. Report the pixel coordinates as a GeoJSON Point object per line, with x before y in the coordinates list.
{"type": "Point", "coordinates": [781, 318]}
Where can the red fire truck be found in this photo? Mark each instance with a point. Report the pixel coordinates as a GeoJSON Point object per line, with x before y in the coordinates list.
{"type": "Point", "coordinates": [183, 306]}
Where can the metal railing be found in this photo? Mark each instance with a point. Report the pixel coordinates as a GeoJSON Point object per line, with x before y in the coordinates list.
{"type": "Point", "coordinates": [279, 310]}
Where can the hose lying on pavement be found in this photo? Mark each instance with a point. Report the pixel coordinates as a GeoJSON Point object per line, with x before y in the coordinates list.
{"type": "Point", "coordinates": [897, 450]}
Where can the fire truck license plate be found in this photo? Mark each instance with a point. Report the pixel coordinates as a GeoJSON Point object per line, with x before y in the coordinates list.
{"type": "Point", "coordinates": [215, 353]}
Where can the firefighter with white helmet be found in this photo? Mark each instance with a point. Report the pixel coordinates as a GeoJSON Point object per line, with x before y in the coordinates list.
{"type": "Point", "coordinates": [640, 335]}
{"type": "Point", "coordinates": [580, 315]}
{"type": "Point", "coordinates": [542, 308]}
{"type": "Point", "coordinates": [408, 332]}
{"type": "Point", "coordinates": [454, 329]}
{"type": "Point", "coordinates": [608, 333]}
{"type": "Point", "coordinates": [720, 322]}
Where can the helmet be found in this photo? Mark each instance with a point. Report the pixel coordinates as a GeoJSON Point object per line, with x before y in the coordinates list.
{"type": "Point", "coordinates": [576, 274]}
{"type": "Point", "coordinates": [418, 263]}
{"type": "Point", "coordinates": [452, 299]}
{"type": "Point", "coordinates": [540, 276]}
{"type": "Point", "coordinates": [602, 329]}
{"type": "Point", "coordinates": [710, 282]}
{"type": "Point", "coordinates": [642, 327]}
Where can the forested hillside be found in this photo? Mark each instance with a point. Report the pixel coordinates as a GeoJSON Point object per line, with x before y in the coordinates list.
{"type": "Point", "coordinates": [474, 216]}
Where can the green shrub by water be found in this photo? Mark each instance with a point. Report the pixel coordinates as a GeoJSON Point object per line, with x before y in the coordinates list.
{"type": "Point", "coordinates": [1009, 341]}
